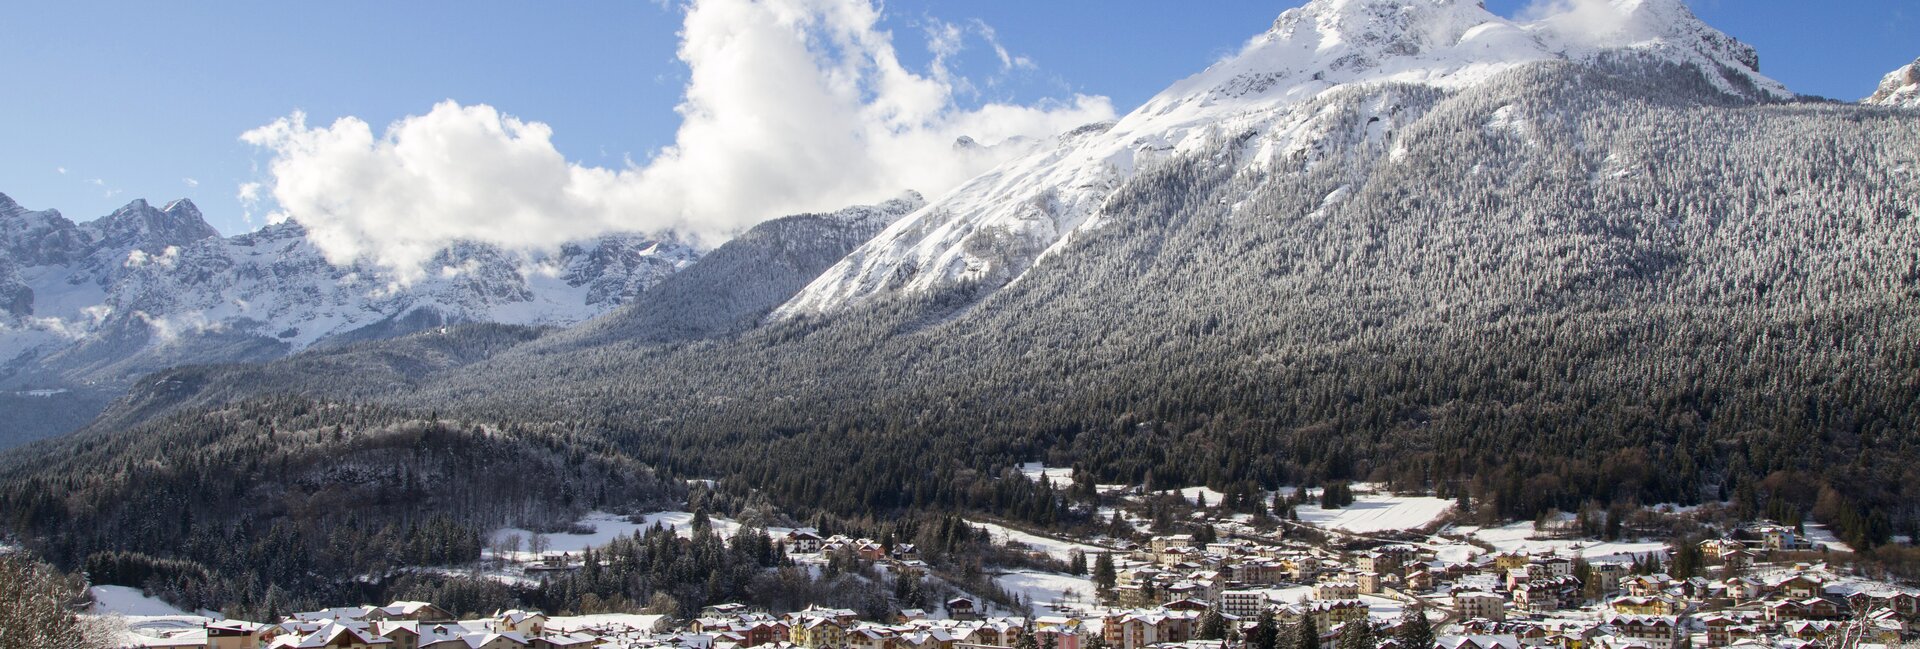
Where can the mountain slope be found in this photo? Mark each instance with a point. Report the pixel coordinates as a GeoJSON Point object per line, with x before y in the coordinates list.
{"type": "Point", "coordinates": [1900, 88]}
{"type": "Point", "coordinates": [730, 289]}
{"type": "Point", "coordinates": [990, 230]}
{"type": "Point", "coordinates": [1576, 281]}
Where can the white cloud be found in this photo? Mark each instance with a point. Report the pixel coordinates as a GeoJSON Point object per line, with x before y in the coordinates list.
{"type": "Point", "coordinates": [190, 182]}
{"type": "Point", "coordinates": [61, 170]}
{"type": "Point", "coordinates": [97, 182]}
{"type": "Point", "coordinates": [1591, 22]}
{"type": "Point", "coordinates": [790, 106]}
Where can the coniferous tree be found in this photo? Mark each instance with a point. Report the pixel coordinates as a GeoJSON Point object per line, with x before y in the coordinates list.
{"type": "Point", "coordinates": [1416, 632]}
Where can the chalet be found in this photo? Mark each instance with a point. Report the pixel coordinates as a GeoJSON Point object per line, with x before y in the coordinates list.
{"type": "Point", "coordinates": [1552, 566]}
{"type": "Point", "coordinates": [1637, 605]}
{"type": "Point", "coordinates": [1506, 561]}
{"type": "Point", "coordinates": [961, 608]}
{"type": "Point", "coordinates": [871, 637]}
{"type": "Point", "coordinates": [1477, 642]}
{"type": "Point", "coordinates": [1801, 586]}
{"type": "Point", "coordinates": [1336, 590]}
{"type": "Point", "coordinates": [1651, 631]}
{"type": "Point", "coordinates": [565, 641]}
{"type": "Point", "coordinates": [1714, 549]}
{"type": "Point", "coordinates": [236, 634]}
{"type": "Point", "coordinates": [1390, 560]}
{"type": "Point", "coordinates": [1064, 632]}
{"type": "Point", "coordinates": [1161, 544]}
{"type": "Point", "coordinates": [1326, 614]}
{"type": "Point", "coordinates": [518, 621]}
{"type": "Point", "coordinates": [1421, 580]}
{"type": "Point", "coordinates": [1739, 559]}
{"type": "Point", "coordinates": [803, 541]}
{"type": "Point", "coordinates": [340, 635]}
{"type": "Point", "coordinates": [819, 632]}
{"type": "Point", "coordinates": [1647, 585]}
{"type": "Point", "coordinates": [1542, 595]}
{"type": "Point", "coordinates": [1143, 628]}
{"type": "Point", "coordinates": [411, 611]}
{"type": "Point", "coordinates": [1607, 575]}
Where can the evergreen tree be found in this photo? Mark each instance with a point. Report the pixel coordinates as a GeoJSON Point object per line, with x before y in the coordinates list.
{"type": "Point", "coordinates": [1357, 634]}
{"type": "Point", "coordinates": [1213, 625]}
{"type": "Point", "coordinates": [1306, 634]}
{"type": "Point", "coordinates": [1265, 633]}
{"type": "Point", "coordinates": [1103, 574]}
{"type": "Point", "coordinates": [1416, 632]}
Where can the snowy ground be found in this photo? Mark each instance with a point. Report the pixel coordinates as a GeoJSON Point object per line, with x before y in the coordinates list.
{"type": "Point", "coordinates": [1058, 549]}
{"type": "Point", "coordinates": [607, 527]}
{"type": "Point", "coordinates": [1820, 536]}
{"type": "Point", "coordinates": [1061, 478]}
{"type": "Point", "coordinates": [121, 600]}
{"type": "Point", "coordinates": [1372, 513]}
{"type": "Point", "coordinates": [148, 622]}
{"type": "Point", "coordinates": [1518, 537]}
{"type": "Point", "coordinates": [1050, 592]}
{"type": "Point", "coordinates": [571, 623]}
{"type": "Point", "coordinates": [1193, 494]}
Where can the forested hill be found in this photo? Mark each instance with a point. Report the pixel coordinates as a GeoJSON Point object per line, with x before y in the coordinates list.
{"type": "Point", "coordinates": [1631, 278]}
{"type": "Point", "coordinates": [1571, 283]}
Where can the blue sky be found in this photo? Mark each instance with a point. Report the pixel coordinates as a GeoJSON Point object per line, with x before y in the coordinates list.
{"type": "Point", "coordinates": [147, 99]}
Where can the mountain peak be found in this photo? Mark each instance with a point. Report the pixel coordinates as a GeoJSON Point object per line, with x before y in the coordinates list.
{"type": "Point", "coordinates": [139, 225]}
{"type": "Point", "coordinates": [183, 209]}
{"type": "Point", "coordinates": [1899, 89]}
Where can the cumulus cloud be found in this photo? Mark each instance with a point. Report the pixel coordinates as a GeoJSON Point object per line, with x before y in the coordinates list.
{"type": "Point", "coordinates": [789, 106]}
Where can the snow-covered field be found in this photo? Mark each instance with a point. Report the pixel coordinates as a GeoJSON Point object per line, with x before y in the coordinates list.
{"type": "Point", "coordinates": [614, 621]}
{"type": "Point", "coordinates": [1050, 591]}
{"type": "Point", "coordinates": [1060, 478]}
{"type": "Point", "coordinates": [1193, 494]}
{"type": "Point", "coordinates": [1058, 549]}
{"type": "Point", "coordinates": [607, 527]}
{"type": "Point", "coordinates": [147, 621]}
{"type": "Point", "coordinates": [1518, 537]}
{"type": "Point", "coordinates": [1371, 513]}
{"type": "Point", "coordinates": [122, 600]}
{"type": "Point", "coordinates": [1820, 536]}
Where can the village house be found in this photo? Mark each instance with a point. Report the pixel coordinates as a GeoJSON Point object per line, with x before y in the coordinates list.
{"type": "Point", "coordinates": [518, 621]}
{"type": "Point", "coordinates": [1477, 642]}
{"type": "Point", "coordinates": [1637, 605]}
{"type": "Point", "coordinates": [1651, 631]}
{"type": "Point", "coordinates": [1242, 603]}
{"type": "Point", "coordinates": [1143, 628]}
{"type": "Point", "coordinates": [1341, 589]}
{"type": "Point", "coordinates": [1388, 560]}
{"type": "Point", "coordinates": [1714, 549]}
{"type": "Point", "coordinates": [1487, 606]}
{"type": "Point", "coordinates": [236, 634]}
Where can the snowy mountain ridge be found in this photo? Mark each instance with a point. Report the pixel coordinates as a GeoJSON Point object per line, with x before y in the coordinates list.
{"type": "Point", "coordinates": [1254, 106]}
{"type": "Point", "coordinates": [145, 288]}
{"type": "Point", "coordinates": [1900, 88]}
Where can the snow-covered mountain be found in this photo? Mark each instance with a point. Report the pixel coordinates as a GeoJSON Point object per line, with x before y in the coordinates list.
{"type": "Point", "coordinates": [144, 288]}
{"type": "Point", "coordinates": [1257, 105]}
{"type": "Point", "coordinates": [1900, 88]}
